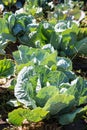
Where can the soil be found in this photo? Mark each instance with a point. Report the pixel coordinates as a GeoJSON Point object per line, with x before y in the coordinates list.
{"type": "Point", "coordinates": [80, 66]}
{"type": "Point", "coordinates": [80, 63]}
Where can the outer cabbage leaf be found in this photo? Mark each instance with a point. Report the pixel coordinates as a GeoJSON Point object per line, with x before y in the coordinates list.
{"type": "Point", "coordinates": [50, 59]}
{"type": "Point", "coordinates": [79, 90]}
{"type": "Point", "coordinates": [70, 117]}
{"type": "Point", "coordinates": [17, 116]}
{"type": "Point", "coordinates": [18, 30]}
{"type": "Point", "coordinates": [44, 94]}
{"type": "Point", "coordinates": [55, 78]}
{"type": "Point", "coordinates": [69, 39]}
{"type": "Point", "coordinates": [30, 80]}
{"type": "Point", "coordinates": [42, 73]}
{"type": "Point", "coordinates": [44, 32]}
{"type": "Point", "coordinates": [3, 26]}
{"type": "Point", "coordinates": [64, 63]}
{"type": "Point", "coordinates": [28, 39]}
{"type": "Point", "coordinates": [55, 40]}
{"type": "Point", "coordinates": [70, 74]}
{"type": "Point", "coordinates": [37, 114]}
{"type": "Point", "coordinates": [11, 21]}
{"type": "Point", "coordinates": [5, 35]}
{"type": "Point", "coordinates": [6, 68]}
{"type": "Point", "coordinates": [58, 102]}
{"type": "Point", "coordinates": [81, 47]}
{"type": "Point", "coordinates": [25, 54]}
{"type": "Point", "coordinates": [63, 25]}
{"type": "Point", "coordinates": [24, 89]}
{"type": "Point", "coordinates": [5, 39]}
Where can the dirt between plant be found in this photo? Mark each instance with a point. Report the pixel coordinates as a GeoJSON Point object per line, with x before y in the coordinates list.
{"type": "Point", "coordinates": [78, 125]}
{"type": "Point", "coordinates": [80, 63]}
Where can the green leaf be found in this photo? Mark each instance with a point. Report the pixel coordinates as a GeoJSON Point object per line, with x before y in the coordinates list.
{"type": "Point", "coordinates": [5, 39]}
{"type": "Point", "coordinates": [83, 100]}
{"type": "Point", "coordinates": [37, 114]}
{"type": "Point", "coordinates": [17, 116]}
{"type": "Point", "coordinates": [55, 78]}
{"type": "Point", "coordinates": [62, 25]}
{"type": "Point", "coordinates": [58, 102]}
{"type": "Point", "coordinates": [44, 32]}
{"type": "Point", "coordinates": [26, 54]}
{"type": "Point", "coordinates": [79, 90]}
{"type": "Point", "coordinates": [70, 117]}
{"type": "Point", "coordinates": [23, 54]}
{"type": "Point", "coordinates": [69, 40]}
{"type": "Point", "coordinates": [81, 47]}
{"type": "Point", "coordinates": [6, 15]}
{"type": "Point", "coordinates": [25, 40]}
{"type": "Point", "coordinates": [55, 40]}
{"type": "Point", "coordinates": [64, 63]}
{"type": "Point", "coordinates": [9, 2]}
{"type": "Point", "coordinates": [44, 94]}
{"type": "Point", "coordinates": [13, 103]}
{"type": "Point", "coordinates": [6, 68]}
{"type": "Point", "coordinates": [50, 59]}
{"type": "Point", "coordinates": [42, 72]}
{"type": "Point", "coordinates": [70, 74]}
{"type": "Point", "coordinates": [3, 26]}
{"type": "Point", "coordinates": [11, 21]}
{"type": "Point", "coordinates": [18, 29]}
{"type": "Point", "coordinates": [25, 89]}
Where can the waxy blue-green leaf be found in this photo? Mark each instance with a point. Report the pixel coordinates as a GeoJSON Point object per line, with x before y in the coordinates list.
{"type": "Point", "coordinates": [70, 117]}
{"type": "Point", "coordinates": [44, 94]}
{"type": "Point", "coordinates": [62, 25]}
{"type": "Point", "coordinates": [79, 90]}
{"type": "Point", "coordinates": [70, 74]}
{"type": "Point", "coordinates": [81, 47]}
{"type": "Point", "coordinates": [64, 63]}
{"type": "Point", "coordinates": [24, 89]}
{"type": "Point", "coordinates": [5, 39]}
{"type": "Point", "coordinates": [18, 29]}
{"type": "Point", "coordinates": [26, 54]}
{"type": "Point", "coordinates": [11, 22]}
{"type": "Point", "coordinates": [55, 78]}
